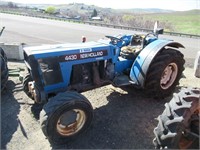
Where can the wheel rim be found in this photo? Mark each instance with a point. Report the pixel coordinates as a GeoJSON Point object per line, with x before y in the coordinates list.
{"type": "Point", "coordinates": [185, 142]}
{"type": "Point", "coordinates": [169, 76]}
{"type": "Point", "coordinates": [71, 122]}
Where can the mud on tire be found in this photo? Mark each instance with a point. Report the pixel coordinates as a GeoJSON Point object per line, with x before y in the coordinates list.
{"type": "Point", "coordinates": [164, 73]}
{"type": "Point", "coordinates": [178, 125]}
{"type": "Point", "coordinates": [65, 116]}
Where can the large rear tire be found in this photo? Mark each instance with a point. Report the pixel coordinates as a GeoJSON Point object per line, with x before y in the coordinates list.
{"type": "Point", "coordinates": [164, 73]}
{"type": "Point", "coordinates": [65, 116]}
{"type": "Point", "coordinates": [178, 125]}
{"type": "Point", "coordinates": [4, 69]}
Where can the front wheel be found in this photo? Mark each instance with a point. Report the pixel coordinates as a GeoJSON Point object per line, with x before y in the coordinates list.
{"type": "Point", "coordinates": [164, 73]}
{"type": "Point", "coordinates": [26, 80]}
{"type": "Point", "coordinates": [178, 125]}
{"type": "Point", "coordinates": [65, 116]}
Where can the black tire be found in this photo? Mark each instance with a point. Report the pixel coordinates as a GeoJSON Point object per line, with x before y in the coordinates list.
{"type": "Point", "coordinates": [26, 80]}
{"type": "Point", "coordinates": [164, 73]}
{"type": "Point", "coordinates": [178, 120]}
{"type": "Point", "coordinates": [4, 69]}
{"type": "Point", "coordinates": [3, 54]}
{"type": "Point", "coordinates": [73, 105]}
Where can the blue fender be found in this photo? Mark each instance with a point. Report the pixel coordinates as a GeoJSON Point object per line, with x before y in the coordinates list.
{"type": "Point", "coordinates": [141, 64]}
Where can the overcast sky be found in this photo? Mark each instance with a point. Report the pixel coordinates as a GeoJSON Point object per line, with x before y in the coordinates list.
{"type": "Point", "coordinates": [178, 5]}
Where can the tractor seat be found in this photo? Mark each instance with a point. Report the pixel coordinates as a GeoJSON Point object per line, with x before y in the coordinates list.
{"type": "Point", "coordinates": [131, 51]}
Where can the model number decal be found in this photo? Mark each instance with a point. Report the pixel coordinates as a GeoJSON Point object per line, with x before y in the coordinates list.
{"type": "Point", "coordinates": [70, 57]}
{"type": "Point", "coordinates": [80, 56]}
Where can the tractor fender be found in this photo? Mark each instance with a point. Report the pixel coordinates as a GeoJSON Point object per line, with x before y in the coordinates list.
{"type": "Point", "coordinates": [141, 64]}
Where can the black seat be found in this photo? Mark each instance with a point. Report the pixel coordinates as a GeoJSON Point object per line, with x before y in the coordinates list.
{"type": "Point", "coordinates": [134, 47]}
{"type": "Point", "coordinates": [136, 40]}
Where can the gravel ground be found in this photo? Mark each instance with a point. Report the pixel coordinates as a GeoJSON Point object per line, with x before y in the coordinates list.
{"type": "Point", "coordinates": [123, 118]}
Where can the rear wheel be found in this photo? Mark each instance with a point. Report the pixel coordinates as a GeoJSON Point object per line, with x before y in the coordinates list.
{"type": "Point", "coordinates": [178, 126]}
{"type": "Point", "coordinates": [65, 116]}
{"type": "Point", "coordinates": [164, 73]}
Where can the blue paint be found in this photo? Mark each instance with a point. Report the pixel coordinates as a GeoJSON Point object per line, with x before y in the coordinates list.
{"type": "Point", "coordinates": [72, 54]}
{"type": "Point", "coordinates": [137, 67]}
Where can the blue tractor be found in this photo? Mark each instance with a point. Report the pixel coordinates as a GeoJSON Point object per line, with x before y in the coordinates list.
{"type": "Point", "coordinates": [57, 74]}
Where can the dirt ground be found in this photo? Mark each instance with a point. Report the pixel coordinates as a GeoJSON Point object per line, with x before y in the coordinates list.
{"type": "Point", "coordinates": [123, 118]}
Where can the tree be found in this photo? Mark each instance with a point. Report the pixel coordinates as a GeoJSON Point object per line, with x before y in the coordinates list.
{"type": "Point", "coordinates": [12, 5]}
{"type": "Point", "coordinates": [50, 10]}
{"type": "Point", "coordinates": [94, 14]}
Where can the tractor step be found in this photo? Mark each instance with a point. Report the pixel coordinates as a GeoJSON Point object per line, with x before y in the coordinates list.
{"type": "Point", "coordinates": [122, 80]}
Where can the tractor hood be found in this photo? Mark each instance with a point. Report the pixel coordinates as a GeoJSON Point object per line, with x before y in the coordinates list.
{"type": "Point", "coordinates": [72, 52]}
{"type": "Point", "coordinates": [69, 48]}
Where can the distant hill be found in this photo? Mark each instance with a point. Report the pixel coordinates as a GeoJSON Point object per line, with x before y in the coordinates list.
{"type": "Point", "coordinates": [182, 21]}
{"type": "Point", "coordinates": [189, 12]}
{"type": "Point", "coordinates": [81, 7]}
{"type": "Point", "coordinates": [145, 10]}
{"type": "Point", "coordinates": [174, 21]}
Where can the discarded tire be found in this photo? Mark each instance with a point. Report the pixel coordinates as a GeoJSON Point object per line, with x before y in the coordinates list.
{"type": "Point", "coordinates": [4, 69]}
{"type": "Point", "coordinates": [178, 125]}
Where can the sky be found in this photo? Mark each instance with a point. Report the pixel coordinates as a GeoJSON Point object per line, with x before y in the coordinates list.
{"type": "Point", "coordinates": [178, 5]}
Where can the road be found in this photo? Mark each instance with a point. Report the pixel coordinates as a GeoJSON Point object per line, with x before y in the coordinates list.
{"type": "Point", "coordinates": [37, 31]}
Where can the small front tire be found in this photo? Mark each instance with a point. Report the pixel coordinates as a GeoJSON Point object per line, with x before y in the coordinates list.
{"type": "Point", "coordinates": [65, 116]}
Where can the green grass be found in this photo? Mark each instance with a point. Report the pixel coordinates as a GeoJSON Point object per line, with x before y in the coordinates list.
{"type": "Point", "coordinates": [183, 22]}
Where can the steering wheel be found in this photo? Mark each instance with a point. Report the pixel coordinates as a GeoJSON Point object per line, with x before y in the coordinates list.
{"type": "Point", "coordinates": [114, 39]}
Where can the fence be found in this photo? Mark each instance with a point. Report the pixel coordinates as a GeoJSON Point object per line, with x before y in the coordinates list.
{"type": "Point", "coordinates": [106, 25]}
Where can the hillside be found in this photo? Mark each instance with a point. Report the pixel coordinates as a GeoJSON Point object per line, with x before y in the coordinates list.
{"type": "Point", "coordinates": [81, 6]}
{"type": "Point", "coordinates": [183, 21]}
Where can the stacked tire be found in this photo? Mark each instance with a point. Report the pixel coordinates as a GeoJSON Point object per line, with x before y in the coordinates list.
{"type": "Point", "coordinates": [4, 69]}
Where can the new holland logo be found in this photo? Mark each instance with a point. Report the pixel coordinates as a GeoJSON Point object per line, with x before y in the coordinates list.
{"type": "Point", "coordinates": [80, 56]}
{"type": "Point", "coordinates": [90, 55]}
